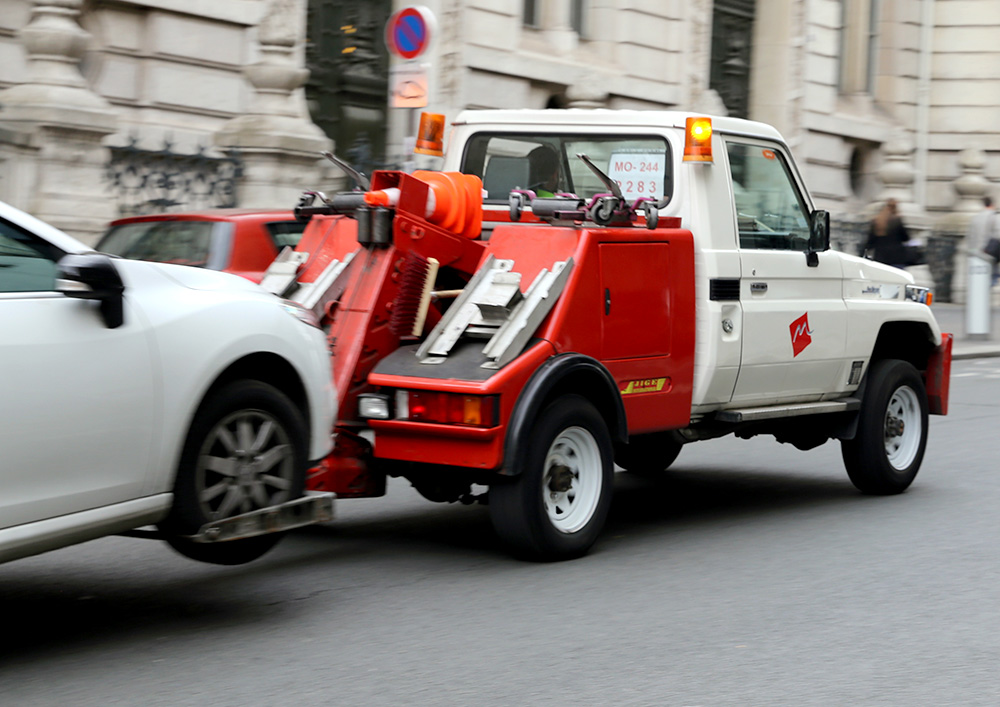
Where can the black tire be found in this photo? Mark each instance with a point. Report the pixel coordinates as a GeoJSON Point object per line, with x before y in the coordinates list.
{"type": "Point", "coordinates": [649, 455]}
{"type": "Point", "coordinates": [234, 552]}
{"type": "Point", "coordinates": [247, 449]}
{"type": "Point", "coordinates": [885, 454]}
{"type": "Point", "coordinates": [557, 506]}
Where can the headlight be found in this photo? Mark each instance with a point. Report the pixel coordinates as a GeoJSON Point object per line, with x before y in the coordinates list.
{"type": "Point", "coordinates": [304, 315]}
{"type": "Point", "coordinates": [922, 295]}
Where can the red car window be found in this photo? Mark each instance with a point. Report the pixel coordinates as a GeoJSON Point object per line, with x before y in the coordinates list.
{"type": "Point", "coordinates": [180, 242]}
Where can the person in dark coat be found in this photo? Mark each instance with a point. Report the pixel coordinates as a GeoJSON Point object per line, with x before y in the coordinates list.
{"type": "Point", "coordinates": [544, 171]}
{"type": "Point", "coordinates": [886, 237]}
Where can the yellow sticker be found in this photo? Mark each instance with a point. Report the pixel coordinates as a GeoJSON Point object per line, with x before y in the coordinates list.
{"type": "Point", "coordinates": [644, 385]}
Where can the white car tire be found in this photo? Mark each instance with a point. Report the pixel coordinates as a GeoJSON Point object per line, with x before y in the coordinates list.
{"type": "Point", "coordinates": [247, 449]}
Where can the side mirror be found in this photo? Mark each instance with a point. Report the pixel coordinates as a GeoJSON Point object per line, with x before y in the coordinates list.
{"type": "Point", "coordinates": [93, 276]}
{"type": "Point", "coordinates": [819, 236]}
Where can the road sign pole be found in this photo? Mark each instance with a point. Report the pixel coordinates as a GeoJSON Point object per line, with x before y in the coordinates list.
{"type": "Point", "coordinates": [408, 33]}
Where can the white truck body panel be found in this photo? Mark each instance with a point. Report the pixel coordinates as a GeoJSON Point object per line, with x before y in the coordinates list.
{"type": "Point", "coordinates": [765, 354]}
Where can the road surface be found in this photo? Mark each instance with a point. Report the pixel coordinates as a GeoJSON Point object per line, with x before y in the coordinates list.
{"type": "Point", "coordinates": [753, 574]}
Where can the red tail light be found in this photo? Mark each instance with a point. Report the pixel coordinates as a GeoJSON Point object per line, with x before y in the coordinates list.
{"type": "Point", "coordinates": [449, 408]}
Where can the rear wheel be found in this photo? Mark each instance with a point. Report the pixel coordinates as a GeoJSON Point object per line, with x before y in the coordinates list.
{"type": "Point", "coordinates": [649, 455]}
{"type": "Point", "coordinates": [885, 454]}
{"type": "Point", "coordinates": [556, 507]}
{"type": "Point", "coordinates": [246, 450]}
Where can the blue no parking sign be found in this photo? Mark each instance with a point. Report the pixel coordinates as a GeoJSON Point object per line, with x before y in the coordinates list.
{"type": "Point", "coordinates": [409, 31]}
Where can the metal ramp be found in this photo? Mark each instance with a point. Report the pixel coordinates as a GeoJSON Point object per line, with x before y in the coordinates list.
{"type": "Point", "coordinates": [280, 279]}
{"type": "Point", "coordinates": [492, 307]}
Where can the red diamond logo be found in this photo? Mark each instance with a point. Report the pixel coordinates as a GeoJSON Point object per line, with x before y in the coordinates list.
{"type": "Point", "coordinates": [801, 334]}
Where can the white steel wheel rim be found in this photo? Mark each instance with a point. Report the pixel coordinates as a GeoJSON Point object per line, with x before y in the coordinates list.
{"type": "Point", "coordinates": [245, 463]}
{"type": "Point", "coordinates": [902, 429]}
{"type": "Point", "coordinates": [572, 481]}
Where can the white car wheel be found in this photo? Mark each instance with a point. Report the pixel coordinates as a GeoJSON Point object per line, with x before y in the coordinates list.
{"type": "Point", "coordinates": [246, 462]}
{"type": "Point", "coordinates": [246, 449]}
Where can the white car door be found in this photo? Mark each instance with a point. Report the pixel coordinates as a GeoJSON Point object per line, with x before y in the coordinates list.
{"type": "Point", "coordinates": [794, 314]}
{"type": "Point", "coordinates": [77, 409]}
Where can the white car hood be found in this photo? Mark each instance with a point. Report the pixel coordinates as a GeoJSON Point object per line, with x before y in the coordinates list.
{"type": "Point", "coordinates": [193, 278]}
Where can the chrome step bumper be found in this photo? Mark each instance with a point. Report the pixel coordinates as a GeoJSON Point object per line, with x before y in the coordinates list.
{"type": "Point", "coordinates": [774, 412]}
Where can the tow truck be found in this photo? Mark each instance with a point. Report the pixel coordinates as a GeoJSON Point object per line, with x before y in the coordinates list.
{"type": "Point", "coordinates": [677, 286]}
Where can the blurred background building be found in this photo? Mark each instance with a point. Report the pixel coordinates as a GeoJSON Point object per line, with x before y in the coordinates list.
{"type": "Point", "coordinates": [110, 107]}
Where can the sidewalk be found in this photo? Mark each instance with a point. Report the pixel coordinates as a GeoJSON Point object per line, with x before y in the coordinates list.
{"type": "Point", "coordinates": [951, 318]}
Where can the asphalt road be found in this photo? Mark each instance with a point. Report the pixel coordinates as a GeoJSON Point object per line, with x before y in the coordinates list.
{"type": "Point", "coordinates": [753, 575]}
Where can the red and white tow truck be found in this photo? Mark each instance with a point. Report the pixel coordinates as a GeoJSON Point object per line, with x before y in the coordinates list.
{"type": "Point", "coordinates": [677, 286]}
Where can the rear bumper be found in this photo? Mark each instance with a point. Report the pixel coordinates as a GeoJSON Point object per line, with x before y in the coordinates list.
{"type": "Point", "coordinates": [448, 445]}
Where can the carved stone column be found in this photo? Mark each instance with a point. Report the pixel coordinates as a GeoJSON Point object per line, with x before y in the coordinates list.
{"type": "Point", "coordinates": [587, 92]}
{"type": "Point", "coordinates": [59, 124]}
{"type": "Point", "coordinates": [896, 173]}
{"type": "Point", "coordinates": [279, 145]}
{"type": "Point", "coordinates": [949, 234]}
{"type": "Point", "coordinates": [558, 30]}
{"type": "Point", "coordinates": [898, 176]}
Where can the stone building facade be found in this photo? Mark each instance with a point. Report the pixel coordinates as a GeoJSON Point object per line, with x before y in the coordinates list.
{"type": "Point", "coordinates": [877, 98]}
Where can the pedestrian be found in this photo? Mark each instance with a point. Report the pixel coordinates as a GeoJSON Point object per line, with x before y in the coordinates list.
{"type": "Point", "coordinates": [982, 227]}
{"type": "Point", "coordinates": [887, 236]}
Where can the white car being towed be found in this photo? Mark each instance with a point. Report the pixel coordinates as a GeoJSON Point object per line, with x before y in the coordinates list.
{"type": "Point", "coordinates": [136, 394]}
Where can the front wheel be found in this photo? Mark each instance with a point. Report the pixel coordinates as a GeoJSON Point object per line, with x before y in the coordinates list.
{"type": "Point", "coordinates": [556, 507]}
{"type": "Point", "coordinates": [885, 454]}
{"type": "Point", "coordinates": [247, 449]}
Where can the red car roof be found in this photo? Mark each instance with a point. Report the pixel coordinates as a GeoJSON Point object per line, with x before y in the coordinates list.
{"type": "Point", "coordinates": [213, 215]}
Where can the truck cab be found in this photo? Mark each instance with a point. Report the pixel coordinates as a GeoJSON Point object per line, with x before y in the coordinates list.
{"type": "Point", "coordinates": [771, 307]}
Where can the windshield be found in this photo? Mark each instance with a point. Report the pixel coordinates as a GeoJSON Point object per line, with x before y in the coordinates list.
{"type": "Point", "coordinates": [548, 164]}
{"type": "Point", "coordinates": [181, 242]}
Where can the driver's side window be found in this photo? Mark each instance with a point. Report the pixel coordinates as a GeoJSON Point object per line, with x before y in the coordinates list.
{"type": "Point", "coordinates": [27, 264]}
{"type": "Point", "coordinates": [770, 213]}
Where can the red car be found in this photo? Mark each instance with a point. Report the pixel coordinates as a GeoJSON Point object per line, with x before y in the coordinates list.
{"type": "Point", "coordinates": [240, 241]}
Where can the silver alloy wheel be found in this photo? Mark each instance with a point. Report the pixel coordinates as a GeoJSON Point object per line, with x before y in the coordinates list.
{"type": "Point", "coordinates": [571, 482]}
{"type": "Point", "coordinates": [902, 428]}
{"type": "Point", "coordinates": [245, 462]}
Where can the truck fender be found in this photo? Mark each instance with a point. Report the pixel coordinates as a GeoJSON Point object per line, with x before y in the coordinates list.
{"type": "Point", "coordinates": [937, 378]}
{"type": "Point", "coordinates": [565, 373]}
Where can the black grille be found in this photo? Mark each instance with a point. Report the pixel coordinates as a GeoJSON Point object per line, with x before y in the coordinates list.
{"type": "Point", "coordinates": [724, 289]}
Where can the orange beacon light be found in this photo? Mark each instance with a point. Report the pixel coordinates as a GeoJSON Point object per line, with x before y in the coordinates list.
{"type": "Point", "coordinates": [430, 135]}
{"type": "Point", "coordinates": [698, 140]}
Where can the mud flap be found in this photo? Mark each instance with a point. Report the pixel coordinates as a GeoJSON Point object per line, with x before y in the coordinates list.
{"type": "Point", "coordinates": [937, 377]}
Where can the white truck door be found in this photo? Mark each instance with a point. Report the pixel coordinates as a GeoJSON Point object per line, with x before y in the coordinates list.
{"type": "Point", "coordinates": [794, 315]}
{"type": "Point", "coordinates": [76, 398]}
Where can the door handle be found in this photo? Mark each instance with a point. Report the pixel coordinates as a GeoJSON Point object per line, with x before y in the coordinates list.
{"type": "Point", "coordinates": [758, 287]}
{"type": "Point", "coordinates": [607, 301]}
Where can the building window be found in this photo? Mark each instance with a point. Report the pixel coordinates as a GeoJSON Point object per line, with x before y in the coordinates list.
{"type": "Point", "coordinates": [732, 41]}
{"type": "Point", "coordinates": [859, 39]}
{"type": "Point", "coordinates": [531, 13]}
